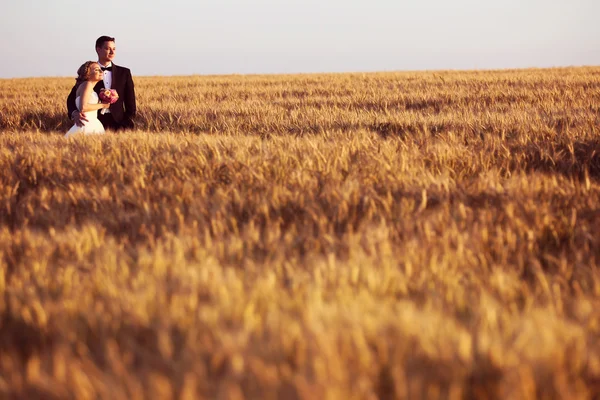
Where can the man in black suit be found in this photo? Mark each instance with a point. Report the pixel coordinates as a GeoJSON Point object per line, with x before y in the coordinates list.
{"type": "Point", "coordinates": [120, 115]}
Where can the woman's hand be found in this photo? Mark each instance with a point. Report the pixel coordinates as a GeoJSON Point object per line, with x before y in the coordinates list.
{"type": "Point", "coordinates": [105, 106]}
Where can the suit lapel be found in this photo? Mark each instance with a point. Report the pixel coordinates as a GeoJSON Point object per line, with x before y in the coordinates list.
{"type": "Point", "coordinates": [115, 75]}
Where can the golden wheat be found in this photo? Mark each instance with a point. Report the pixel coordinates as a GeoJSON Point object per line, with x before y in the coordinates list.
{"type": "Point", "coordinates": [389, 235]}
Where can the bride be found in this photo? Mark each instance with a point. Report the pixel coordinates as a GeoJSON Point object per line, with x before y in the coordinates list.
{"type": "Point", "coordinates": [87, 100]}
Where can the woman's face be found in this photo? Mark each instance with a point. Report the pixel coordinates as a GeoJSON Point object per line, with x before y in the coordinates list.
{"type": "Point", "coordinates": [95, 72]}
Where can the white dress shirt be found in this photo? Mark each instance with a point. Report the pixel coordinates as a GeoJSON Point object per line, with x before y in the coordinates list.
{"type": "Point", "coordinates": [107, 76]}
{"type": "Point", "coordinates": [107, 79]}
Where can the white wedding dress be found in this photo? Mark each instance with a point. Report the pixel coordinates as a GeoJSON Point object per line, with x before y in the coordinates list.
{"type": "Point", "coordinates": [93, 126]}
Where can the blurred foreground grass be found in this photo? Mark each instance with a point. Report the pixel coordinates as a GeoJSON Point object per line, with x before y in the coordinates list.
{"type": "Point", "coordinates": [409, 235]}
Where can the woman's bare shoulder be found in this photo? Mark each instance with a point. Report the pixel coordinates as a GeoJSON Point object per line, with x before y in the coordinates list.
{"type": "Point", "coordinates": [84, 86]}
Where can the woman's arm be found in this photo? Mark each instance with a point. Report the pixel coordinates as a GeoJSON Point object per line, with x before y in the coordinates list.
{"type": "Point", "coordinates": [85, 98]}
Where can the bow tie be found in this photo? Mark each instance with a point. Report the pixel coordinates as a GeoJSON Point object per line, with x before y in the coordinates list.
{"type": "Point", "coordinates": [106, 68]}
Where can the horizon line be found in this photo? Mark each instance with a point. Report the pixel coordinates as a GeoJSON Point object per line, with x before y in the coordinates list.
{"type": "Point", "coordinates": [383, 71]}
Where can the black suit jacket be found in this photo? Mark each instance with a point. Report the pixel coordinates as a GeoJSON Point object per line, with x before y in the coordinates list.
{"type": "Point", "coordinates": [123, 111]}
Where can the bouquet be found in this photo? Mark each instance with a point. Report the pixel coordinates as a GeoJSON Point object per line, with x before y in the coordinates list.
{"type": "Point", "coordinates": [109, 96]}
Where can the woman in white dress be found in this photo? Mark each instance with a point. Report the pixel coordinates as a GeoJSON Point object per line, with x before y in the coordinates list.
{"type": "Point", "coordinates": [87, 100]}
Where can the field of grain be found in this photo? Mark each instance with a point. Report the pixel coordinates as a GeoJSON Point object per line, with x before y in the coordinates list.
{"type": "Point", "coordinates": [342, 236]}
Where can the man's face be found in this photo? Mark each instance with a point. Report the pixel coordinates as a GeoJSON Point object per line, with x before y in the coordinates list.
{"type": "Point", "coordinates": [106, 53]}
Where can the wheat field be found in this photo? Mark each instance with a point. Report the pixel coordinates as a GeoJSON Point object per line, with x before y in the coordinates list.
{"type": "Point", "coordinates": [323, 236]}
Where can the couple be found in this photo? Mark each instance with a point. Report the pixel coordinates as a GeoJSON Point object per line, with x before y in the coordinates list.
{"type": "Point", "coordinates": [84, 103]}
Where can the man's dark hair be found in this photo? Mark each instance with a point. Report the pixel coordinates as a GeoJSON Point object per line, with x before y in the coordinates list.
{"type": "Point", "coordinates": [100, 41]}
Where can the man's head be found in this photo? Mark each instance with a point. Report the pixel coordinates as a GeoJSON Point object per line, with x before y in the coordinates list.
{"type": "Point", "coordinates": [105, 47]}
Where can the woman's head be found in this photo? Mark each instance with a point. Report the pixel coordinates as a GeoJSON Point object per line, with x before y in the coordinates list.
{"type": "Point", "coordinates": [89, 71]}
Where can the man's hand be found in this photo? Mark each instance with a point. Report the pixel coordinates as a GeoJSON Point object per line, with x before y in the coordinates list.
{"type": "Point", "coordinates": [78, 118]}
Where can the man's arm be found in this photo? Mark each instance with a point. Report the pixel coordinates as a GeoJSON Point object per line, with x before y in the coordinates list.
{"type": "Point", "coordinates": [129, 100]}
{"type": "Point", "coordinates": [71, 102]}
{"type": "Point", "coordinates": [74, 114]}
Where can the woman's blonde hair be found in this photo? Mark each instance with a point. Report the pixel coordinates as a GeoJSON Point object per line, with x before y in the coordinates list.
{"type": "Point", "coordinates": [83, 73]}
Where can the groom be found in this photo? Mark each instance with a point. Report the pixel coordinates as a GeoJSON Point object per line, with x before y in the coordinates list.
{"type": "Point", "coordinates": [120, 114]}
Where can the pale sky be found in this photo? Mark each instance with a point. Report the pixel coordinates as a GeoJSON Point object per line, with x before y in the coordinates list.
{"type": "Point", "coordinates": [184, 37]}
